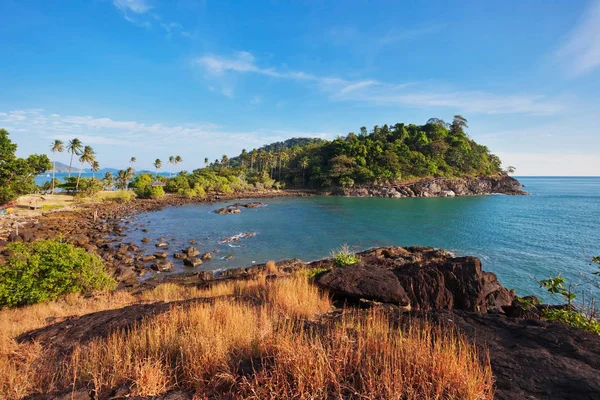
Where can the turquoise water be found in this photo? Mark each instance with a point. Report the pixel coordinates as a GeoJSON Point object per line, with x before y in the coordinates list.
{"type": "Point", "coordinates": [553, 230]}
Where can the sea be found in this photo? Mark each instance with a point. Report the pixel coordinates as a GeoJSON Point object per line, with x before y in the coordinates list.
{"type": "Point", "coordinates": [554, 230]}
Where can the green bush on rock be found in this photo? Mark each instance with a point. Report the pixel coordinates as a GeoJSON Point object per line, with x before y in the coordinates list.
{"type": "Point", "coordinates": [344, 256]}
{"type": "Point", "coordinates": [46, 269]}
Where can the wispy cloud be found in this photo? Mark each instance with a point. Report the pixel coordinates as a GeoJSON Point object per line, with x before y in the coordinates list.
{"type": "Point", "coordinates": [191, 139]}
{"type": "Point", "coordinates": [142, 14]}
{"type": "Point", "coordinates": [580, 52]}
{"type": "Point", "coordinates": [135, 6]}
{"type": "Point", "coordinates": [244, 62]}
{"type": "Point", "coordinates": [373, 92]}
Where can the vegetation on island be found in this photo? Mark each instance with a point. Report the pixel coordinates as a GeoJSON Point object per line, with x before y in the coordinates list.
{"type": "Point", "coordinates": [385, 154]}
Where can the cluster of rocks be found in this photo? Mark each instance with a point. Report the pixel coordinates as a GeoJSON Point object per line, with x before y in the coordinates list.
{"type": "Point", "coordinates": [416, 278]}
{"type": "Point", "coordinates": [235, 208]}
{"type": "Point", "coordinates": [441, 187]}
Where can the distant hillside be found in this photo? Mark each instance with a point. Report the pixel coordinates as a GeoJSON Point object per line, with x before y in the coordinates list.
{"type": "Point", "coordinates": [60, 167]}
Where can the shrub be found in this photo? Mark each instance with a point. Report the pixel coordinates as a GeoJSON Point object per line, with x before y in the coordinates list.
{"type": "Point", "coordinates": [344, 256]}
{"type": "Point", "coordinates": [121, 196]}
{"type": "Point", "coordinates": [572, 318]}
{"type": "Point", "coordinates": [177, 184]}
{"type": "Point", "coordinates": [151, 192]}
{"type": "Point", "coordinates": [45, 269]}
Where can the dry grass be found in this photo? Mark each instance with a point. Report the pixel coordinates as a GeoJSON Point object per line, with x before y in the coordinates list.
{"type": "Point", "coordinates": [257, 342]}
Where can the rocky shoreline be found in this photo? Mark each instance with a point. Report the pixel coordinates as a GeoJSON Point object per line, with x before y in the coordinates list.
{"type": "Point", "coordinates": [440, 187]}
{"type": "Point", "coordinates": [101, 228]}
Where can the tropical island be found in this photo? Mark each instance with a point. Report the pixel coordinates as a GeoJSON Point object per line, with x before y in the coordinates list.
{"type": "Point", "coordinates": [391, 322]}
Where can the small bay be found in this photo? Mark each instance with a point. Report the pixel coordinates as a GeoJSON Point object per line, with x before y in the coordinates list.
{"type": "Point", "coordinates": [553, 230]}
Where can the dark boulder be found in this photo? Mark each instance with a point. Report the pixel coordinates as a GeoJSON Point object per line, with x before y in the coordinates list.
{"type": "Point", "coordinates": [363, 282]}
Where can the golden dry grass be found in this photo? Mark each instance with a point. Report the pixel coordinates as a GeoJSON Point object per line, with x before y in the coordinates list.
{"type": "Point", "coordinates": [254, 341]}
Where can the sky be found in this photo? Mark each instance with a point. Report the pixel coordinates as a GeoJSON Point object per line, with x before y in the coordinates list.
{"type": "Point", "coordinates": [155, 78]}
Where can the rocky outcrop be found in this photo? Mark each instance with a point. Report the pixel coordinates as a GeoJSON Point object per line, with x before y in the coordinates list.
{"type": "Point", "coordinates": [362, 282]}
{"type": "Point", "coordinates": [441, 187]}
{"type": "Point", "coordinates": [428, 278]}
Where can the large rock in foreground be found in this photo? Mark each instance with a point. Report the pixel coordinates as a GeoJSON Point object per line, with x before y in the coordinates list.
{"type": "Point", "coordinates": [361, 282]}
{"type": "Point", "coordinates": [428, 278]}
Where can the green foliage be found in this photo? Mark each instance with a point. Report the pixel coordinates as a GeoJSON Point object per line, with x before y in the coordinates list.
{"type": "Point", "coordinates": [344, 256]}
{"type": "Point", "coordinates": [313, 272]}
{"type": "Point", "coordinates": [121, 196]}
{"type": "Point", "coordinates": [177, 184]}
{"type": "Point", "coordinates": [142, 188]}
{"type": "Point", "coordinates": [17, 175]}
{"type": "Point", "coordinates": [89, 187]}
{"type": "Point", "coordinates": [556, 285]}
{"type": "Point", "coordinates": [386, 154]}
{"type": "Point", "coordinates": [151, 192]}
{"type": "Point", "coordinates": [572, 318]}
{"type": "Point", "coordinates": [46, 269]}
{"type": "Point", "coordinates": [569, 315]}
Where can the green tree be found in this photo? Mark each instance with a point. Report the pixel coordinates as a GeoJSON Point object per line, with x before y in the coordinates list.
{"type": "Point", "coordinates": [87, 156]}
{"type": "Point", "coordinates": [74, 147]}
{"type": "Point", "coordinates": [108, 181]}
{"type": "Point", "coordinates": [157, 165]}
{"type": "Point", "coordinates": [17, 175]}
{"type": "Point", "coordinates": [95, 168]}
{"type": "Point", "coordinates": [56, 147]}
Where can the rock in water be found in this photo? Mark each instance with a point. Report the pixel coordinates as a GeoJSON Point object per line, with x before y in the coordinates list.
{"type": "Point", "coordinates": [206, 256]}
{"type": "Point", "coordinates": [192, 251]}
{"type": "Point", "coordinates": [192, 262]}
{"type": "Point", "coordinates": [161, 254]}
{"type": "Point", "coordinates": [163, 266]}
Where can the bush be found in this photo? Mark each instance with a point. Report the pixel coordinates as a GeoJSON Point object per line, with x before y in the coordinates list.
{"type": "Point", "coordinates": [151, 192]}
{"type": "Point", "coordinates": [177, 184]}
{"type": "Point", "coordinates": [573, 318]}
{"type": "Point", "coordinates": [121, 196]}
{"type": "Point", "coordinates": [344, 256]}
{"type": "Point", "coordinates": [46, 269]}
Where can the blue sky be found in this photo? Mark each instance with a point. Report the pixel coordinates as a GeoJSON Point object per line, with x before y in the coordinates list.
{"type": "Point", "coordinates": [151, 78]}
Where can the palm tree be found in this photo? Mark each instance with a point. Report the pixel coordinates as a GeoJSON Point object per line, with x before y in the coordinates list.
{"type": "Point", "coordinates": [95, 168]}
{"type": "Point", "coordinates": [121, 180]}
{"type": "Point", "coordinates": [74, 147]}
{"type": "Point", "coordinates": [224, 159]}
{"type": "Point", "coordinates": [56, 147]}
{"type": "Point", "coordinates": [171, 161]}
{"type": "Point", "coordinates": [304, 165]}
{"type": "Point", "coordinates": [108, 180]}
{"type": "Point", "coordinates": [87, 156]}
{"type": "Point", "coordinates": [178, 159]}
{"type": "Point", "coordinates": [206, 161]}
{"type": "Point", "coordinates": [157, 165]}
{"type": "Point", "coordinates": [243, 157]}
{"type": "Point", "coordinates": [132, 160]}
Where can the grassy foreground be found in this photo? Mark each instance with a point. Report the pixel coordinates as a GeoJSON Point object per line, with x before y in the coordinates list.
{"type": "Point", "coordinates": [256, 339]}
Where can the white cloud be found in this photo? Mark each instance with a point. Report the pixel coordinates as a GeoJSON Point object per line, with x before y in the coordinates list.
{"type": "Point", "coordinates": [136, 6]}
{"type": "Point", "coordinates": [372, 92]}
{"type": "Point", "coordinates": [552, 164]}
{"type": "Point", "coordinates": [255, 100]}
{"type": "Point", "coordinates": [192, 141]}
{"type": "Point", "coordinates": [581, 49]}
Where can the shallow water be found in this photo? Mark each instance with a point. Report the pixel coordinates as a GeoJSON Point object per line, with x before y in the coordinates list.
{"type": "Point", "coordinates": [553, 230]}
